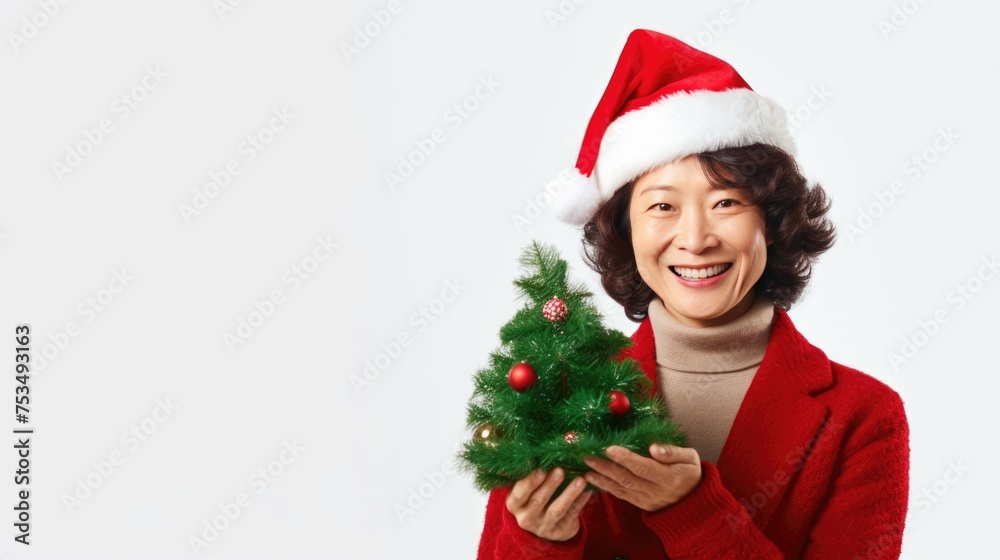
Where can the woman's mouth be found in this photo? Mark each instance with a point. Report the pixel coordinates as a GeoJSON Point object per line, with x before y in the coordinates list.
{"type": "Point", "coordinates": [699, 273]}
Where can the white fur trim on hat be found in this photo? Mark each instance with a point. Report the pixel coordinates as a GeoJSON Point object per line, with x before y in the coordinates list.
{"type": "Point", "coordinates": [579, 199]}
{"type": "Point", "coordinates": [682, 124]}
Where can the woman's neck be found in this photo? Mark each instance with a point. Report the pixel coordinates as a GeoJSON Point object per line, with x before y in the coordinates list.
{"type": "Point", "coordinates": [726, 347]}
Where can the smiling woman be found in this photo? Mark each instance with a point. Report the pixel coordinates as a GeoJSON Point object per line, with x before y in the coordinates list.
{"type": "Point", "coordinates": [701, 226]}
{"type": "Point", "coordinates": [751, 196]}
{"type": "Point", "coordinates": [702, 247]}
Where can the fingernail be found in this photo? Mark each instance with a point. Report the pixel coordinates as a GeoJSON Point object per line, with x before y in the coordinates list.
{"type": "Point", "coordinates": [660, 449]}
{"type": "Point", "coordinates": [539, 474]}
{"type": "Point", "coordinates": [558, 473]}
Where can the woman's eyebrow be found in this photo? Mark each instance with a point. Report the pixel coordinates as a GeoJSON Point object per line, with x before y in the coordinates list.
{"type": "Point", "coordinates": [712, 186]}
{"type": "Point", "coordinates": [658, 188]}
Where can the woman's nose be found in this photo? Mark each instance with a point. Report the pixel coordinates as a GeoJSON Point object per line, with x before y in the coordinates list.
{"type": "Point", "coordinates": [694, 232]}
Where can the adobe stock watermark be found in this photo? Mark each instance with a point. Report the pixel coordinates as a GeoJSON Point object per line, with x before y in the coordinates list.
{"type": "Point", "coordinates": [419, 320]}
{"type": "Point", "coordinates": [131, 440]}
{"type": "Point", "coordinates": [930, 495]}
{"type": "Point", "coordinates": [925, 499]}
{"type": "Point", "coordinates": [562, 11]}
{"type": "Point", "coordinates": [122, 108]}
{"type": "Point", "coordinates": [956, 298]}
{"type": "Point", "coordinates": [767, 489]}
{"type": "Point", "coordinates": [431, 482]}
{"type": "Point", "coordinates": [456, 115]}
{"type": "Point", "coordinates": [258, 481]}
{"type": "Point", "coordinates": [248, 150]}
{"type": "Point", "coordinates": [366, 33]}
{"type": "Point", "coordinates": [293, 277]}
{"type": "Point", "coordinates": [898, 17]}
{"type": "Point", "coordinates": [533, 207]}
{"type": "Point", "coordinates": [713, 28]}
{"type": "Point", "coordinates": [88, 310]}
{"type": "Point", "coordinates": [566, 178]}
{"type": "Point", "coordinates": [32, 25]}
{"type": "Point", "coordinates": [225, 7]}
{"type": "Point", "coordinates": [818, 96]}
{"type": "Point", "coordinates": [914, 169]}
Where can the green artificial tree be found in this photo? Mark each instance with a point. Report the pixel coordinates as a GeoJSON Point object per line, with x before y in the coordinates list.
{"type": "Point", "coordinates": [555, 391]}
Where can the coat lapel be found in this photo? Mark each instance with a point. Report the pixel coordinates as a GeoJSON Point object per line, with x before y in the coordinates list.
{"type": "Point", "coordinates": [776, 420]}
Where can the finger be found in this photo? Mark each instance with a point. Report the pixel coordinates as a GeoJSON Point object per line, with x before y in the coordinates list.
{"type": "Point", "coordinates": [668, 454]}
{"type": "Point", "coordinates": [540, 497]}
{"type": "Point", "coordinates": [641, 467]}
{"type": "Point", "coordinates": [578, 504]}
{"type": "Point", "coordinates": [606, 484]}
{"type": "Point", "coordinates": [560, 507]}
{"type": "Point", "coordinates": [603, 466]}
{"type": "Point", "coordinates": [610, 469]}
{"type": "Point", "coordinates": [523, 488]}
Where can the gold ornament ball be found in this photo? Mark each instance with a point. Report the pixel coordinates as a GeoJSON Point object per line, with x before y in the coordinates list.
{"type": "Point", "coordinates": [486, 433]}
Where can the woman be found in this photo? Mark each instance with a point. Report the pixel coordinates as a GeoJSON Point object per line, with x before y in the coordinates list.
{"type": "Point", "coordinates": [702, 227]}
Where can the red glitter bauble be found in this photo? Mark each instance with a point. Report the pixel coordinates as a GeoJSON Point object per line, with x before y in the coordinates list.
{"type": "Point", "coordinates": [555, 310]}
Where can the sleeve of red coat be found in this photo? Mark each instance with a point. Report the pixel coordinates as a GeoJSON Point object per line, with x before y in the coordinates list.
{"type": "Point", "coordinates": [862, 517]}
{"type": "Point", "coordinates": [504, 539]}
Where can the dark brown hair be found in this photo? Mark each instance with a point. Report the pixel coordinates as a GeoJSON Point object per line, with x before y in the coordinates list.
{"type": "Point", "coordinates": [794, 217]}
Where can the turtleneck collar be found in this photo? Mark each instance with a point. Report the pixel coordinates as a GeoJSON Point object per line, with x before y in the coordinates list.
{"type": "Point", "coordinates": [734, 346]}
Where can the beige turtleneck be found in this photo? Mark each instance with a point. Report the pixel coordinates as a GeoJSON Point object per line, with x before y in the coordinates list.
{"type": "Point", "coordinates": [704, 373]}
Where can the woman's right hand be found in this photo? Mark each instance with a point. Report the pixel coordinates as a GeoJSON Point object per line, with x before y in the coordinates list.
{"type": "Point", "coordinates": [560, 521]}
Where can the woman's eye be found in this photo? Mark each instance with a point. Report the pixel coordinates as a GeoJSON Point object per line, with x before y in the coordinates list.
{"type": "Point", "coordinates": [732, 201]}
{"type": "Point", "coordinates": [662, 206]}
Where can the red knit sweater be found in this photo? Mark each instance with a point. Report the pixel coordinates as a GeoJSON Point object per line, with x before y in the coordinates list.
{"type": "Point", "coordinates": [816, 465]}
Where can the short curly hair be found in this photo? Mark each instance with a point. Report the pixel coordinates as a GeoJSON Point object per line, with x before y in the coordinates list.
{"type": "Point", "coordinates": [794, 216]}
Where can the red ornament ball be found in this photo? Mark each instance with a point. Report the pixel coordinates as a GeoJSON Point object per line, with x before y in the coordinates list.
{"type": "Point", "coordinates": [571, 437]}
{"type": "Point", "coordinates": [555, 310]}
{"type": "Point", "coordinates": [522, 376]}
{"type": "Point", "coordinates": [619, 403]}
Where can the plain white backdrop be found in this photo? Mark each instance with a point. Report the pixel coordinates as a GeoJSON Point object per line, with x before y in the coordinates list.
{"type": "Point", "coordinates": [307, 302]}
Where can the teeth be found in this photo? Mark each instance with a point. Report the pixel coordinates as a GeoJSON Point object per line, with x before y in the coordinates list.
{"type": "Point", "coordinates": [701, 272]}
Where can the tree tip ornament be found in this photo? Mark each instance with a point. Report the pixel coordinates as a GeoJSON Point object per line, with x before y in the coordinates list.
{"type": "Point", "coordinates": [545, 399]}
{"type": "Point", "coordinates": [555, 310]}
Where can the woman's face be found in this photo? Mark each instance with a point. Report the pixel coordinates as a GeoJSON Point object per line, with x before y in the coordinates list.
{"type": "Point", "coordinates": [684, 227]}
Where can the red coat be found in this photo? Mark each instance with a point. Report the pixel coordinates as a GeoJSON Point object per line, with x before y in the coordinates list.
{"type": "Point", "coordinates": [816, 466]}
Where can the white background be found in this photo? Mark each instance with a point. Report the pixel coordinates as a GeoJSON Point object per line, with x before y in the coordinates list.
{"type": "Point", "coordinates": [368, 449]}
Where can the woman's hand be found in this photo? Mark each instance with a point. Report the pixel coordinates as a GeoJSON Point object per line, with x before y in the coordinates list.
{"type": "Point", "coordinates": [648, 484]}
{"type": "Point", "coordinates": [560, 521]}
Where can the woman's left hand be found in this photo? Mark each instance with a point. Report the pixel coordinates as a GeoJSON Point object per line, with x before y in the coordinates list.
{"type": "Point", "coordinates": [649, 484]}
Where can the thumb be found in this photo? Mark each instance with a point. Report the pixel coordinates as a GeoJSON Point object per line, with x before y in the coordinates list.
{"type": "Point", "coordinates": [672, 454]}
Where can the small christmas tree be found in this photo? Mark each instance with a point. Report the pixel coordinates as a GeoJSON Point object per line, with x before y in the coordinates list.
{"type": "Point", "coordinates": [555, 392]}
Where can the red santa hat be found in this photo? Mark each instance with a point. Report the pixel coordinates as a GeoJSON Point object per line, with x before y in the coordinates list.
{"type": "Point", "coordinates": [666, 100]}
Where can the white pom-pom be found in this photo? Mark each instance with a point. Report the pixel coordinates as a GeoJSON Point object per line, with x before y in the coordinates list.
{"type": "Point", "coordinates": [579, 200]}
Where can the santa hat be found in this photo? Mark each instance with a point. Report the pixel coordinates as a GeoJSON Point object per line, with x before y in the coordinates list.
{"type": "Point", "coordinates": [666, 100]}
